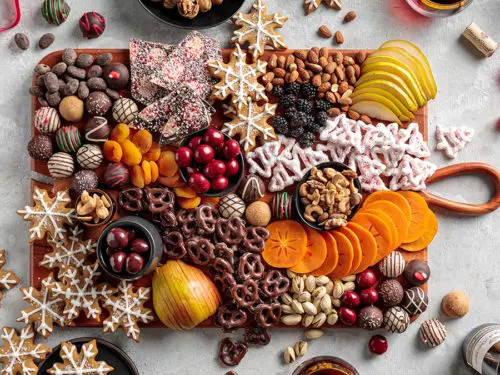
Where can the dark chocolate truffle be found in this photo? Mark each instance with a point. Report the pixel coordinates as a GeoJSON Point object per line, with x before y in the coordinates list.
{"type": "Point", "coordinates": [417, 272]}
{"type": "Point", "coordinates": [68, 139]}
{"type": "Point", "coordinates": [415, 301]}
{"type": "Point", "coordinates": [370, 317]}
{"type": "Point", "coordinates": [116, 76]}
{"type": "Point", "coordinates": [252, 188]}
{"type": "Point", "coordinates": [40, 147]}
{"type": "Point", "coordinates": [55, 12]}
{"type": "Point", "coordinates": [390, 292]}
{"type": "Point", "coordinates": [84, 180]}
{"type": "Point", "coordinates": [92, 25]}
{"type": "Point", "coordinates": [98, 103]}
{"type": "Point", "coordinates": [97, 130]}
{"type": "Point", "coordinates": [116, 175]}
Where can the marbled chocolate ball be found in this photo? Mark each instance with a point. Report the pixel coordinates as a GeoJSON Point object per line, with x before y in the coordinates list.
{"type": "Point", "coordinates": [97, 130]}
{"type": "Point", "coordinates": [390, 292]}
{"type": "Point", "coordinates": [97, 103]}
{"type": "Point", "coordinates": [40, 147]}
{"type": "Point", "coordinates": [84, 180]}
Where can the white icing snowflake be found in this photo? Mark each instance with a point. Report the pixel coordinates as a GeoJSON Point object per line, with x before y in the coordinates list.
{"type": "Point", "coordinates": [453, 140]}
{"type": "Point", "coordinates": [8, 279]}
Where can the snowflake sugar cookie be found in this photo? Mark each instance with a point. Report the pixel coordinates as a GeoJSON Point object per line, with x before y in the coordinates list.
{"type": "Point", "coordinates": [49, 215]}
{"type": "Point", "coordinates": [311, 5]}
{"type": "Point", "coordinates": [82, 363]}
{"type": "Point", "coordinates": [126, 309]}
{"type": "Point", "coordinates": [45, 309]}
{"type": "Point", "coordinates": [8, 279]}
{"type": "Point", "coordinates": [453, 140]}
{"type": "Point", "coordinates": [19, 353]}
{"type": "Point", "coordinates": [258, 29]}
{"type": "Point", "coordinates": [237, 79]}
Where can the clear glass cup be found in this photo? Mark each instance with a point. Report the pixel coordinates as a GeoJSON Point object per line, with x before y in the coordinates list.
{"type": "Point", "coordinates": [438, 8]}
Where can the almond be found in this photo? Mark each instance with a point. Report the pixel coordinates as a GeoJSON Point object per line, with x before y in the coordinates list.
{"type": "Point", "coordinates": [350, 16]}
{"type": "Point", "coordinates": [320, 95]}
{"type": "Point", "coordinates": [312, 57]}
{"type": "Point", "coordinates": [323, 61]}
{"type": "Point", "coordinates": [269, 87]}
{"type": "Point", "coordinates": [334, 79]}
{"type": "Point", "coordinates": [316, 80]}
{"type": "Point", "coordinates": [301, 54]}
{"type": "Point", "coordinates": [324, 87]}
{"type": "Point", "coordinates": [324, 52]}
{"type": "Point", "coordinates": [334, 88]}
{"type": "Point", "coordinates": [333, 112]}
{"type": "Point", "coordinates": [279, 72]}
{"type": "Point", "coordinates": [344, 108]}
{"type": "Point", "coordinates": [331, 97]}
{"type": "Point", "coordinates": [292, 67]}
{"type": "Point", "coordinates": [330, 67]}
{"type": "Point", "coordinates": [365, 119]}
{"type": "Point", "coordinates": [339, 37]}
{"type": "Point", "coordinates": [316, 68]}
{"type": "Point", "coordinates": [349, 71]}
{"type": "Point", "coordinates": [293, 76]}
{"type": "Point", "coordinates": [338, 57]}
{"type": "Point", "coordinates": [289, 60]}
{"type": "Point", "coordinates": [300, 64]}
{"type": "Point", "coordinates": [325, 77]}
{"type": "Point", "coordinates": [357, 71]}
{"type": "Point", "coordinates": [278, 82]}
{"type": "Point", "coordinates": [304, 74]}
{"type": "Point", "coordinates": [339, 73]}
{"type": "Point", "coordinates": [325, 32]}
{"type": "Point", "coordinates": [273, 61]}
{"type": "Point", "coordinates": [348, 60]}
{"type": "Point", "coordinates": [268, 77]}
{"type": "Point", "coordinates": [360, 57]}
{"type": "Point", "coordinates": [353, 115]}
{"type": "Point", "coordinates": [315, 50]}
{"type": "Point", "coordinates": [281, 62]}
{"type": "Point", "coordinates": [345, 101]}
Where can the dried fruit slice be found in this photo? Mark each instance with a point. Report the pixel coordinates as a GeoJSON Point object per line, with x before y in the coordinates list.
{"type": "Point", "coordinates": [390, 224]}
{"type": "Point", "coordinates": [396, 215]}
{"type": "Point", "coordinates": [173, 181]}
{"type": "Point", "coordinates": [189, 203]}
{"type": "Point", "coordinates": [185, 192]}
{"type": "Point", "coordinates": [427, 236]}
{"type": "Point", "coordinates": [368, 246]}
{"type": "Point", "coordinates": [332, 256]}
{"type": "Point", "coordinates": [286, 245]}
{"type": "Point", "coordinates": [419, 210]}
{"type": "Point", "coordinates": [356, 248]}
{"type": "Point", "coordinates": [167, 165]}
{"type": "Point", "coordinates": [379, 229]}
{"type": "Point", "coordinates": [315, 253]}
{"type": "Point", "coordinates": [393, 197]}
{"type": "Point", "coordinates": [346, 255]}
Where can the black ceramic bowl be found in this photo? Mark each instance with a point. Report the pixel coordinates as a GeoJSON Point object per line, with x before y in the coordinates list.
{"type": "Point", "coordinates": [108, 352]}
{"type": "Point", "coordinates": [144, 229]}
{"type": "Point", "coordinates": [234, 181]}
{"type": "Point", "coordinates": [300, 207]}
{"type": "Point", "coordinates": [215, 16]}
{"type": "Point", "coordinates": [112, 209]}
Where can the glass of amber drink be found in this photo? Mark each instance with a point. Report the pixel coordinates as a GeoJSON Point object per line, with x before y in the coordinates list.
{"type": "Point", "coordinates": [439, 8]}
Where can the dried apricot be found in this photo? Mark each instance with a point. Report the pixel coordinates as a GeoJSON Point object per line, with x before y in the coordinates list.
{"type": "Point", "coordinates": [137, 177]}
{"type": "Point", "coordinates": [143, 140]}
{"type": "Point", "coordinates": [189, 203]}
{"type": "Point", "coordinates": [154, 152]}
{"type": "Point", "coordinates": [168, 148]}
{"type": "Point", "coordinates": [131, 154]}
{"type": "Point", "coordinates": [211, 201]}
{"type": "Point", "coordinates": [184, 192]}
{"type": "Point", "coordinates": [146, 169]}
{"type": "Point", "coordinates": [167, 164]}
{"type": "Point", "coordinates": [154, 171]}
{"type": "Point", "coordinates": [169, 181]}
{"type": "Point", "coordinates": [120, 133]}
{"type": "Point", "coordinates": [112, 151]}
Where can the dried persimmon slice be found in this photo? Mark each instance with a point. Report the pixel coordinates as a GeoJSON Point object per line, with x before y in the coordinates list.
{"type": "Point", "coordinates": [368, 246]}
{"type": "Point", "coordinates": [315, 253]}
{"type": "Point", "coordinates": [379, 229]}
{"type": "Point", "coordinates": [332, 256]}
{"type": "Point", "coordinates": [419, 209]}
{"type": "Point", "coordinates": [390, 224]}
{"type": "Point", "coordinates": [391, 196]}
{"type": "Point", "coordinates": [396, 215]}
{"type": "Point", "coordinates": [287, 244]}
{"type": "Point", "coordinates": [356, 248]}
{"type": "Point", "coordinates": [430, 231]}
{"type": "Point", "coordinates": [346, 255]}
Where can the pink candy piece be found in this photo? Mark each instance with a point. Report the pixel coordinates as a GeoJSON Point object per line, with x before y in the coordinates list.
{"type": "Point", "coordinates": [453, 140]}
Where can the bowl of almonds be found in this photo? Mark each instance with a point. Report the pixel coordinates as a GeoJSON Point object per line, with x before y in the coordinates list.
{"type": "Point", "coordinates": [328, 196]}
{"type": "Point", "coordinates": [94, 208]}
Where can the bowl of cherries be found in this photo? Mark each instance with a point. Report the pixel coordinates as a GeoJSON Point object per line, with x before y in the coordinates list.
{"type": "Point", "coordinates": [129, 248]}
{"type": "Point", "coordinates": [210, 162]}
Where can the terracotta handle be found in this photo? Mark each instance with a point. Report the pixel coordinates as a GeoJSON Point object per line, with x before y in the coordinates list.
{"type": "Point", "coordinates": [465, 208]}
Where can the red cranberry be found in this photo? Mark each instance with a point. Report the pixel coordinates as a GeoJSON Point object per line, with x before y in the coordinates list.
{"type": "Point", "coordinates": [351, 299]}
{"type": "Point", "coordinates": [184, 156]}
{"type": "Point", "coordinates": [194, 142]}
{"type": "Point", "coordinates": [366, 279]}
{"type": "Point", "coordinates": [232, 167]}
{"type": "Point", "coordinates": [369, 296]}
{"type": "Point", "coordinates": [347, 316]}
{"type": "Point", "coordinates": [214, 168]}
{"type": "Point", "coordinates": [378, 344]}
{"type": "Point", "coordinates": [134, 263]}
{"type": "Point", "coordinates": [219, 183]}
{"type": "Point", "coordinates": [199, 183]}
{"type": "Point", "coordinates": [117, 261]}
{"type": "Point", "coordinates": [139, 246]}
{"type": "Point", "coordinates": [231, 149]}
{"type": "Point", "coordinates": [191, 170]}
{"type": "Point", "coordinates": [117, 238]}
{"type": "Point", "coordinates": [203, 154]}
{"type": "Point", "coordinates": [498, 124]}
{"type": "Point", "coordinates": [213, 137]}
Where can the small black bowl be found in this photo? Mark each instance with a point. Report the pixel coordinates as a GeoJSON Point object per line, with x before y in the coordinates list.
{"type": "Point", "coordinates": [300, 207]}
{"type": "Point", "coordinates": [146, 230]}
{"type": "Point", "coordinates": [215, 16]}
{"type": "Point", "coordinates": [234, 181]}
{"type": "Point", "coordinates": [108, 352]}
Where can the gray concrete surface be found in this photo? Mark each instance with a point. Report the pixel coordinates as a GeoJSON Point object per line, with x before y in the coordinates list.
{"type": "Point", "coordinates": [463, 256]}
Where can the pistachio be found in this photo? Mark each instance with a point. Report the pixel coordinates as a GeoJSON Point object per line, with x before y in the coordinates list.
{"type": "Point", "coordinates": [349, 278]}
{"type": "Point", "coordinates": [286, 299]}
{"type": "Point", "coordinates": [313, 334]}
{"type": "Point", "coordinates": [349, 286]}
{"type": "Point", "coordinates": [332, 318]}
{"type": "Point", "coordinates": [300, 348]}
{"type": "Point", "coordinates": [289, 355]}
{"type": "Point", "coordinates": [309, 308]}
{"type": "Point", "coordinates": [287, 309]}
{"type": "Point", "coordinates": [297, 307]}
{"type": "Point", "coordinates": [322, 280]}
{"type": "Point", "coordinates": [338, 289]}
{"type": "Point", "coordinates": [326, 304]}
{"type": "Point", "coordinates": [319, 292]}
{"type": "Point", "coordinates": [290, 274]}
{"type": "Point", "coordinates": [297, 284]}
{"type": "Point", "coordinates": [319, 320]}
{"type": "Point", "coordinates": [304, 297]}
{"type": "Point", "coordinates": [291, 320]}
{"type": "Point", "coordinates": [307, 320]}
{"type": "Point", "coordinates": [336, 302]}
{"type": "Point", "coordinates": [310, 283]}
{"type": "Point", "coordinates": [329, 287]}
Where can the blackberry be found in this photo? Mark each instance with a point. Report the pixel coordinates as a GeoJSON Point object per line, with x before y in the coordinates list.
{"type": "Point", "coordinates": [304, 105]}
{"type": "Point", "coordinates": [314, 127]}
{"type": "Point", "coordinates": [290, 112]}
{"type": "Point", "coordinates": [323, 105]}
{"type": "Point", "coordinates": [322, 118]}
{"type": "Point", "coordinates": [278, 91]}
{"type": "Point", "coordinates": [309, 91]}
{"type": "Point", "coordinates": [280, 124]}
{"type": "Point", "coordinates": [299, 120]}
{"type": "Point", "coordinates": [307, 139]}
{"type": "Point", "coordinates": [288, 101]}
{"type": "Point", "coordinates": [297, 132]}
{"type": "Point", "coordinates": [292, 88]}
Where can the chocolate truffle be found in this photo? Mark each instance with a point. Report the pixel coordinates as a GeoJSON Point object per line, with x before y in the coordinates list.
{"type": "Point", "coordinates": [116, 175]}
{"type": "Point", "coordinates": [92, 25]}
{"type": "Point", "coordinates": [71, 108]}
{"type": "Point", "coordinates": [396, 319]}
{"type": "Point", "coordinates": [417, 272]}
{"type": "Point", "coordinates": [231, 205]}
{"type": "Point", "coordinates": [97, 103]}
{"type": "Point", "coordinates": [55, 12]}
{"type": "Point", "coordinates": [116, 76]}
{"type": "Point", "coordinates": [61, 165]}
{"type": "Point", "coordinates": [84, 180]}
{"type": "Point", "coordinates": [370, 317]}
{"type": "Point", "coordinates": [258, 214]}
{"type": "Point", "coordinates": [390, 292]}
{"type": "Point", "coordinates": [415, 301]}
{"type": "Point", "coordinates": [252, 188]}
{"type": "Point", "coordinates": [40, 147]}
{"type": "Point", "coordinates": [455, 304]}
{"type": "Point", "coordinates": [89, 156]}
{"type": "Point", "coordinates": [392, 265]}
{"type": "Point", "coordinates": [432, 332]}
{"type": "Point", "coordinates": [46, 120]}
{"type": "Point", "coordinates": [97, 130]}
{"type": "Point", "coordinates": [125, 110]}
{"type": "Point", "coordinates": [68, 139]}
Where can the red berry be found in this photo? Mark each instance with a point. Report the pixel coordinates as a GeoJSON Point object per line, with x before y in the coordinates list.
{"type": "Point", "coordinates": [378, 344]}
{"type": "Point", "coordinates": [213, 137]}
{"type": "Point", "coordinates": [231, 149]}
{"type": "Point", "coordinates": [351, 299]}
{"type": "Point", "coordinates": [204, 154]}
{"type": "Point", "coordinates": [117, 261]}
{"type": "Point", "coordinates": [214, 168]}
{"type": "Point", "coordinates": [219, 183]}
{"type": "Point", "coordinates": [190, 170]}
{"type": "Point", "coordinates": [369, 296]}
{"type": "Point", "coordinates": [131, 234]}
{"type": "Point", "coordinates": [117, 238]}
{"type": "Point", "coordinates": [498, 124]}
{"type": "Point", "coordinates": [199, 183]}
{"type": "Point", "coordinates": [194, 142]}
{"type": "Point", "coordinates": [134, 263]}
{"type": "Point", "coordinates": [184, 156]}
{"type": "Point", "coordinates": [347, 316]}
{"type": "Point", "coordinates": [232, 167]}
{"type": "Point", "coordinates": [366, 279]}
{"type": "Point", "coordinates": [139, 246]}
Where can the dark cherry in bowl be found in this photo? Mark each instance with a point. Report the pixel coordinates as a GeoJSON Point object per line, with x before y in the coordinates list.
{"type": "Point", "coordinates": [300, 207]}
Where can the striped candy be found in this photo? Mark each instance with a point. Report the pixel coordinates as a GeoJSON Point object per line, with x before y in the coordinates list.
{"type": "Point", "coordinates": [46, 120]}
{"type": "Point", "coordinates": [61, 165]}
{"type": "Point", "coordinates": [68, 139]}
{"type": "Point", "coordinates": [55, 12]}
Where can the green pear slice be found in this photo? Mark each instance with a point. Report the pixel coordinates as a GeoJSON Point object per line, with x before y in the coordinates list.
{"type": "Point", "coordinates": [375, 111]}
{"type": "Point", "coordinates": [372, 93]}
{"type": "Point", "coordinates": [391, 88]}
{"type": "Point", "coordinates": [407, 77]}
{"type": "Point", "coordinates": [413, 50]}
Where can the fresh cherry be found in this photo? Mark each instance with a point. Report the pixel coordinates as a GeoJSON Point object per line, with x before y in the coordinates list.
{"type": "Point", "coordinates": [347, 316]}
{"type": "Point", "coordinates": [213, 137]}
{"type": "Point", "coordinates": [219, 183]}
{"type": "Point", "coordinates": [134, 263]}
{"type": "Point", "coordinates": [117, 261]}
{"type": "Point", "coordinates": [139, 246]}
{"type": "Point", "coordinates": [214, 168]}
{"type": "Point", "coordinates": [199, 183]}
{"type": "Point", "coordinates": [194, 142]}
{"type": "Point", "coordinates": [191, 170]}
{"type": "Point", "coordinates": [184, 156]}
{"type": "Point", "coordinates": [110, 251]}
{"type": "Point", "coordinates": [232, 167]}
{"type": "Point", "coordinates": [204, 154]}
{"type": "Point", "coordinates": [368, 296]}
{"type": "Point", "coordinates": [378, 344]}
{"type": "Point", "coordinates": [132, 235]}
{"type": "Point", "coordinates": [117, 238]}
{"type": "Point", "coordinates": [351, 299]}
{"type": "Point", "coordinates": [231, 149]}
{"type": "Point", "coordinates": [366, 279]}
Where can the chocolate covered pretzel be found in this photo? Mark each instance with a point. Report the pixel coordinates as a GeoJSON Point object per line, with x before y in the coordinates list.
{"type": "Point", "coordinates": [187, 222]}
{"type": "Point", "coordinates": [231, 317]}
{"type": "Point", "coordinates": [174, 245]}
{"type": "Point", "coordinates": [257, 336]}
{"type": "Point", "coordinates": [131, 199]}
{"type": "Point", "coordinates": [231, 352]}
{"type": "Point", "coordinates": [200, 251]}
{"type": "Point", "coordinates": [255, 239]}
{"type": "Point", "coordinates": [268, 314]}
{"type": "Point", "coordinates": [231, 231]}
{"type": "Point", "coordinates": [250, 266]}
{"type": "Point", "coordinates": [159, 199]}
{"type": "Point", "coordinates": [246, 294]}
{"type": "Point", "coordinates": [274, 284]}
{"type": "Point", "coordinates": [206, 219]}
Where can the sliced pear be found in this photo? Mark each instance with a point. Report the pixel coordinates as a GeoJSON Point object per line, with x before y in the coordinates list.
{"type": "Point", "coordinates": [371, 93]}
{"type": "Point", "coordinates": [381, 100]}
{"type": "Point", "coordinates": [413, 50]}
{"type": "Point", "coordinates": [375, 110]}
{"type": "Point", "coordinates": [403, 73]}
{"type": "Point", "coordinates": [390, 88]}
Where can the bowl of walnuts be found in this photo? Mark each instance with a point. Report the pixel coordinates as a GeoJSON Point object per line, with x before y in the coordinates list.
{"type": "Point", "coordinates": [192, 14]}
